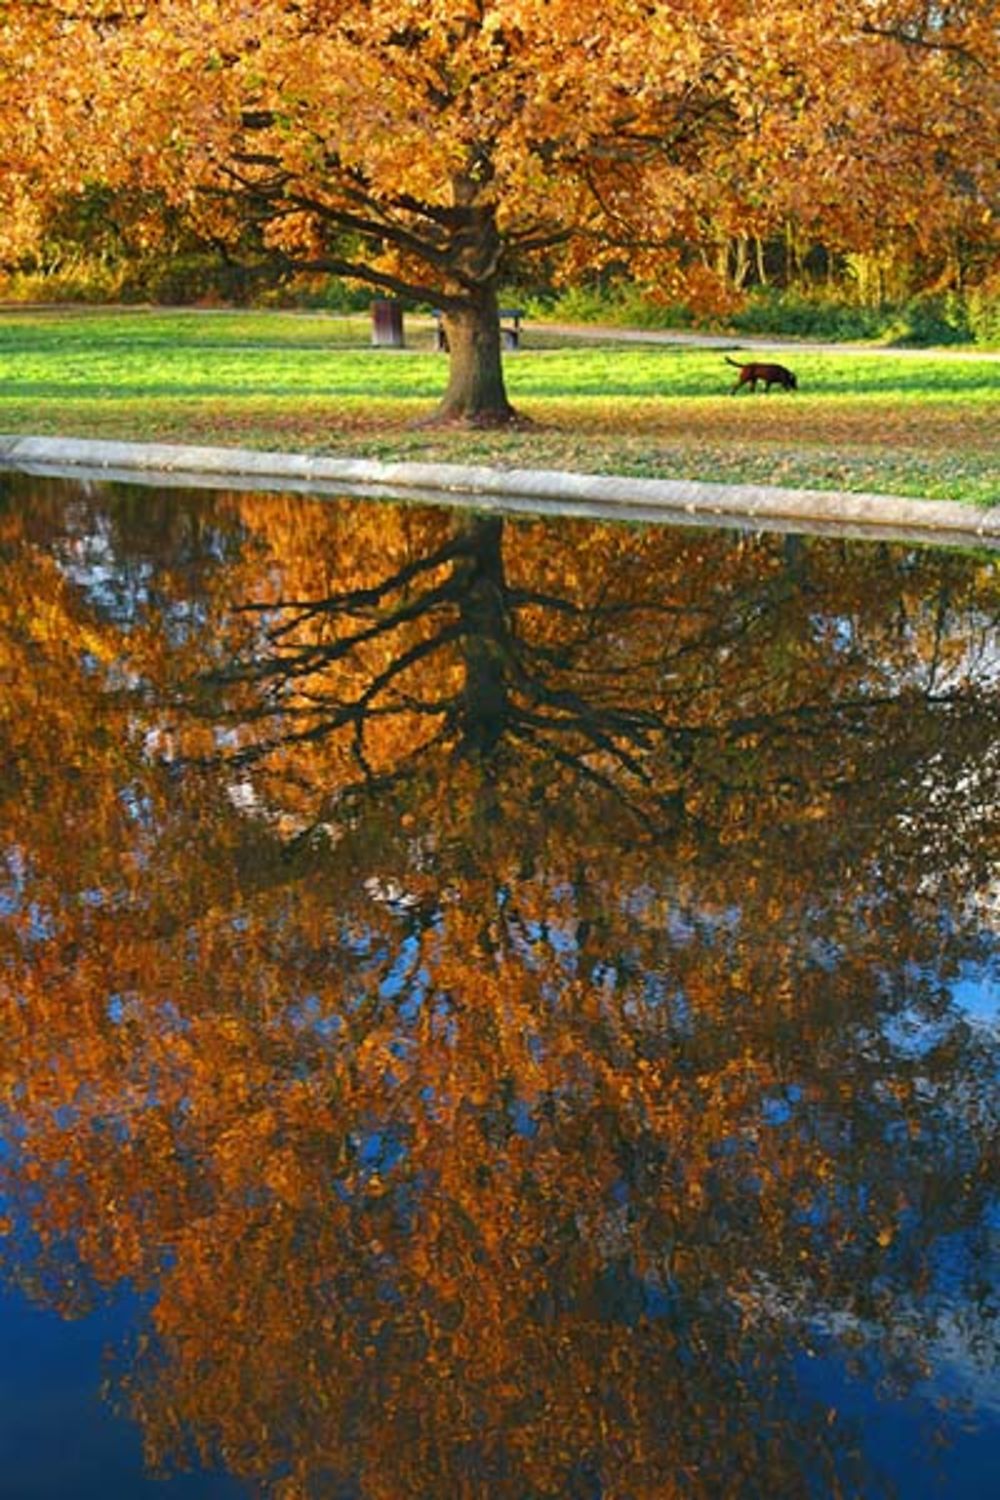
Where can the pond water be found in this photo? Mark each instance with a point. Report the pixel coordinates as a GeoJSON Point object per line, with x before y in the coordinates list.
{"type": "Point", "coordinates": [492, 1007]}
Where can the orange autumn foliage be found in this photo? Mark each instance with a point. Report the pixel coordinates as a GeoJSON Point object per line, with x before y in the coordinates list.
{"type": "Point", "coordinates": [470, 1103]}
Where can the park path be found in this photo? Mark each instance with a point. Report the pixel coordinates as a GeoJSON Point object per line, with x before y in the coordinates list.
{"type": "Point", "coordinates": [679, 337]}
{"type": "Point", "coordinates": [735, 341]}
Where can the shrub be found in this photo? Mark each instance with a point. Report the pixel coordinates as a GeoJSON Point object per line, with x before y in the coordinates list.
{"type": "Point", "coordinates": [621, 306]}
{"type": "Point", "coordinates": [982, 311]}
{"type": "Point", "coordinates": [575, 304]}
{"type": "Point", "coordinates": [181, 280]}
{"type": "Point", "coordinates": [817, 315]}
{"type": "Point", "coordinates": [932, 318]}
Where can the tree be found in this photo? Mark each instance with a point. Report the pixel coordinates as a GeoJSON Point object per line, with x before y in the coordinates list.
{"type": "Point", "coordinates": [436, 151]}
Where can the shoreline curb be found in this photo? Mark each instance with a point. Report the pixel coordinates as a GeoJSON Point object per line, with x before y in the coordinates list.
{"type": "Point", "coordinates": [539, 490]}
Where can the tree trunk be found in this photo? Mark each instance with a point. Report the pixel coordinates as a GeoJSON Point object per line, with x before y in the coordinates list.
{"type": "Point", "coordinates": [488, 644]}
{"type": "Point", "coordinates": [476, 393]}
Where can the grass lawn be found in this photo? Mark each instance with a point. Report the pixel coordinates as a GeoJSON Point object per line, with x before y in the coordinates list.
{"type": "Point", "coordinates": [920, 425]}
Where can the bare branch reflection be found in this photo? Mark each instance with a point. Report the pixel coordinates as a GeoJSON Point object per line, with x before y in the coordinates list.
{"type": "Point", "coordinates": [508, 994]}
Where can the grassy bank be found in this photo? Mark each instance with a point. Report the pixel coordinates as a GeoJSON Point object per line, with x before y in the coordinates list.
{"type": "Point", "coordinates": [921, 425]}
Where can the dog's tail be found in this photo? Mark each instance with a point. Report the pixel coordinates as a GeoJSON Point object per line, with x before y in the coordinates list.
{"type": "Point", "coordinates": [734, 362]}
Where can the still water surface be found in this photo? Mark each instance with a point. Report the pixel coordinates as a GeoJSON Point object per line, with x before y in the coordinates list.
{"type": "Point", "coordinates": [492, 1008]}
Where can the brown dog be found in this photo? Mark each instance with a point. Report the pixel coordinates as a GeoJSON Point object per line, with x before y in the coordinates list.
{"type": "Point", "coordinates": [769, 374]}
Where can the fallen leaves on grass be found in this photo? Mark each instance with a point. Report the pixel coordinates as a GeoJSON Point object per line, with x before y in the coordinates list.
{"type": "Point", "coordinates": [927, 451]}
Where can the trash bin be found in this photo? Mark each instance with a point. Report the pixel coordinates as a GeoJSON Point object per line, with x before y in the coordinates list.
{"type": "Point", "coordinates": [387, 323]}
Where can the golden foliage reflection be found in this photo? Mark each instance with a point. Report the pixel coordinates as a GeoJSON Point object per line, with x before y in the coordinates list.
{"type": "Point", "coordinates": [494, 985]}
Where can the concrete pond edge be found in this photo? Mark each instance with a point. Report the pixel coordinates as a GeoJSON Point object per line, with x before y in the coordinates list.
{"type": "Point", "coordinates": [539, 491]}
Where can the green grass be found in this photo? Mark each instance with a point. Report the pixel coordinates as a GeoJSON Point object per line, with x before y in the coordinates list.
{"type": "Point", "coordinates": [926, 425]}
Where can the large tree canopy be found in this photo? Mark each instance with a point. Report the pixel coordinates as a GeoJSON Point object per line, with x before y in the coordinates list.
{"type": "Point", "coordinates": [434, 149]}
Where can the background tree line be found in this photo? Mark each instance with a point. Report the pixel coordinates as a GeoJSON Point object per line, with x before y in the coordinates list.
{"type": "Point", "coordinates": [112, 245]}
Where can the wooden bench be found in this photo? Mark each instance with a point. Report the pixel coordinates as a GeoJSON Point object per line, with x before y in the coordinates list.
{"type": "Point", "coordinates": [510, 328]}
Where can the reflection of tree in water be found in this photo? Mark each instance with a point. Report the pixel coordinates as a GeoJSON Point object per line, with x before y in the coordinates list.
{"type": "Point", "coordinates": [437, 646]}
{"type": "Point", "coordinates": [692, 693]}
{"type": "Point", "coordinates": [523, 1154]}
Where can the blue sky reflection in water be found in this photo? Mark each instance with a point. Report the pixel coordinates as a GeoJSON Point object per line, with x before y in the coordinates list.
{"type": "Point", "coordinates": [492, 1007]}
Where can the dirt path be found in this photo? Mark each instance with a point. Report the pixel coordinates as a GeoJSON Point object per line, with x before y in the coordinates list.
{"type": "Point", "coordinates": [732, 341]}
